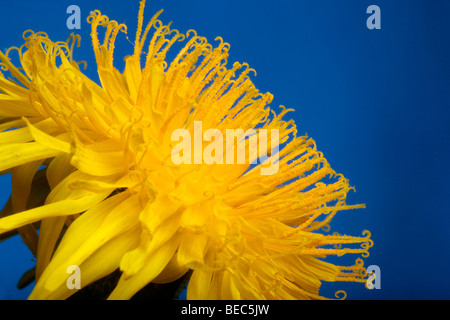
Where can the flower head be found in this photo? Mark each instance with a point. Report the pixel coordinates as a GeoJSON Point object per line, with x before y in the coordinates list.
{"type": "Point", "coordinates": [116, 199]}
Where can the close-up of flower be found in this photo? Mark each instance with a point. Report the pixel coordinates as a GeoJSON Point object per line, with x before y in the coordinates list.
{"type": "Point", "coordinates": [94, 183]}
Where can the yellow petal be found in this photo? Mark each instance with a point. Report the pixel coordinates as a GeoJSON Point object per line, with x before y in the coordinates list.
{"type": "Point", "coordinates": [99, 264]}
{"type": "Point", "coordinates": [66, 189]}
{"type": "Point", "coordinates": [229, 291]}
{"type": "Point", "coordinates": [113, 82]}
{"type": "Point", "coordinates": [59, 169]}
{"type": "Point", "coordinates": [155, 263]}
{"type": "Point", "coordinates": [60, 208]}
{"type": "Point", "coordinates": [10, 123]}
{"type": "Point", "coordinates": [133, 76]}
{"type": "Point", "coordinates": [16, 107]}
{"type": "Point", "coordinates": [59, 143]}
{"type": "Point", "coordinates": [16, 154]}
{"type": "Point", "coordinates": [135, 260]}
{"type": "Point", "coordinates": [50, 231]}
{"type": "Point", "coordinates": [199, 285]}
{"type": "Point", "coordinates": [15, 136]}
{"type": "Point", "coordinates": [158, 211]}
{"type": "Point", "coordinates": [88, 233]}
{"type": "Point", "coordinates": [192, 250]}
{"type": "Point", "coordinates": [99, 159]}
{"type": "Point", "coordinates": [173, 271]}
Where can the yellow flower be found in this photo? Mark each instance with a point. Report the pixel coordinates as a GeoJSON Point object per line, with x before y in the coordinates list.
{"type": "Point", "coordinates": [105, 150]}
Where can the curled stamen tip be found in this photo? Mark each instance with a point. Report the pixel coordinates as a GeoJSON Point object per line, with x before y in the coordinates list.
{"type": "Point", "coordinates": [25, 36]}
{"type": "Point", "coordinates": [123, 28]}
{"type": "Point", "coordinates": [94, 14]}
{"type": "Point", "coordinates": [366, 233]}
{"type": "Point", "coordinates": [113, 23]}
{"type": "Point", "coordinates": [158, 24]}
{"type": "Point", "coordinates": [340, 295]}
{"type": "Point", "coordinates": [104, 21]}
{"type": "Point", "coordinates": [254, 72]}
{"type": "Point", "coordinates": [181, 37]}
{"type": "Point", "coordinates": [248, 69]}
{"type": "Point", "coordinates": [84, 63]}
{"type": "Point", "coordinates": [191, 31]}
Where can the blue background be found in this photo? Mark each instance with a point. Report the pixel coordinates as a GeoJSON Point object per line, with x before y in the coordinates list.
{"type": "Point", "coordinates": [376, 102]}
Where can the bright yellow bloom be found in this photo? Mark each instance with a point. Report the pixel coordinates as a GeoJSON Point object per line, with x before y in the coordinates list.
{"type": "Point", "coordinates": [106, 149]}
